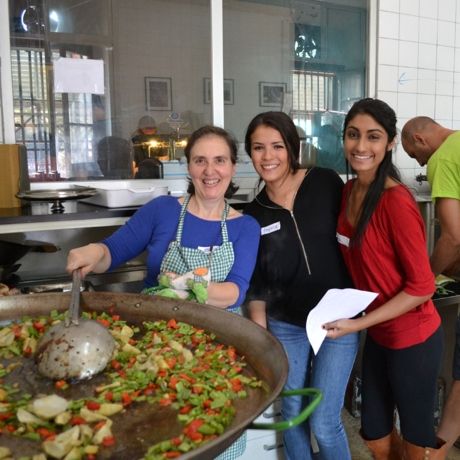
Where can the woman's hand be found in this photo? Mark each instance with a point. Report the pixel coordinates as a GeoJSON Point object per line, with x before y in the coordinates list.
{"type": "Point", "coordinates": [94, 257]}
{"type": "Point", "coordinates": [396, 306]}
{"type": "Point", "coordinates": [222, 294]}
{"type": "Point", "coordinates": [340, 327]}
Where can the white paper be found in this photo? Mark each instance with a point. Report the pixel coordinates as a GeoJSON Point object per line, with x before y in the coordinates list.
{"type": "Point", "coordinates": [78, 76]}
{"type": "Point", "coordinates": [335, 304]}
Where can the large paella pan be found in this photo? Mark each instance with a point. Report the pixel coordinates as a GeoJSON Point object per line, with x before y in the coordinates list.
{"type": "Point", "coordinates": [143, 426]}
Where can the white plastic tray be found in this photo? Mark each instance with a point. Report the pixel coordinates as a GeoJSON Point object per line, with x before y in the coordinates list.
{"type": "Point", "coordinates": [125, 195]}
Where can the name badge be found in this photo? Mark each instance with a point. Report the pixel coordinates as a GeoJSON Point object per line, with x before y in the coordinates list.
{"type": "Point", "coordinates": [342, 239]}
{"type": "Point", "coordinates": [270, 228]}
{"type": "Point", "coordinates": [205, 249]}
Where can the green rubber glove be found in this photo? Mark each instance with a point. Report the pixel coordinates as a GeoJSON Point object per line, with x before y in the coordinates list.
{"type": "Point", "coordinates": [164, 280]}
{"type": "Point", "coordinates": [170, 293]}
{"type": "Point", "coordinates": [199, 290]}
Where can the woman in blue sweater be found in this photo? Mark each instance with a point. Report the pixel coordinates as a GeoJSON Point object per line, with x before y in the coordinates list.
{"type": "Point", "coordinates": [182, 234]}
{"type": "Point", "coordinates": [197, 230]}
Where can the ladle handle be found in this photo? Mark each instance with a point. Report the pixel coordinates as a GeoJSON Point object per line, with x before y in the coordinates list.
{"type": "Point", "coordinates": [74, 308]}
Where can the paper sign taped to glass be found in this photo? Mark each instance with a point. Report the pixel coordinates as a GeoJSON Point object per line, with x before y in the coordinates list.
{"type": "Point", "coordinates": [335, 304]}
{"type": "Point", "coordinates": [78, 75]}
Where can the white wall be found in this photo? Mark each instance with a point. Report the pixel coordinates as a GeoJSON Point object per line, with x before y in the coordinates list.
{"type": "Point", "coordinates": [418, 69]}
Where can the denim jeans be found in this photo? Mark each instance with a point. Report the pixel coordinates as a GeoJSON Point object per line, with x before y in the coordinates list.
{"type": "Point", "coordinates": [328, 371]}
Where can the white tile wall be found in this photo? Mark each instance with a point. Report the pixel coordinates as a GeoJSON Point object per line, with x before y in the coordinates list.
{"type": "Point", "coordinates": [389, 5]}
{"type": "Point", "coordinates": [457, 59]}
{"type": "Point", "coordinates": [444, 83]}
{"type": "Point", "coordinates": [408, 27]}
{"type": "Point", "coordinates": [456, 83]}
{"type": "Point", "coordinates": [445, 58]}
{"type": "Point", "coordinates": [406, 104]}
{"type": "Point", "coordinates": [388, 25]}
{"type": "Point", "coordinates": [427, 81]}
{"type": "Point", "coordinates": [409, 7]}
{"type": "Point", "coordinates": [446, 10]}
{"type": "Point", "coordinates": [408, 53]}
{"type": "Point", "coordinates": [418, 63]}
{"type": "Point", "coordinates": [456, 114]}
{"type": "Point", "coordinates": [444, 107]}
{"type": "Point", "coordinates": [390, 97]}
{"type": "Point", "coordinates": [388, 49]}
{"type": "Point", "coordinates": [428, 30]}
{"type": "Point", "coordinates": [446, 33]}
{"type": "Point", "coordinates": [407, 80]}
{"type": "Point", "coordinates": [426, 104]}
{"type": "Point", "coordinates": [427, 56]}
{"type": "Point", "coordinates": [429, 8]}
{"type": "Point", "coordinates": [387, 78]}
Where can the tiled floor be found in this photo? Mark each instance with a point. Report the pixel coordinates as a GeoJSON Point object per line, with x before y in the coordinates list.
{"type": "Point", "coordinates": [359, 450]}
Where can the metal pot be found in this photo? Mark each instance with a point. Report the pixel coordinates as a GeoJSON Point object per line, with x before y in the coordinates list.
{"type": "Point", "coordinates": [264, 354]}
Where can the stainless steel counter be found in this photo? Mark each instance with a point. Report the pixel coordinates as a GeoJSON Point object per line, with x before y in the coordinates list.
{"type": "Point", "coordinates": [451, 288]}
{"type": "Point", "coordinates": [448, 308]}
{"type": "Point", "coordinates": [38, 217]}
{"type": "Point", "coordinates": [128, 278]}
{"type": "Point", "coordinates": [441, 302]}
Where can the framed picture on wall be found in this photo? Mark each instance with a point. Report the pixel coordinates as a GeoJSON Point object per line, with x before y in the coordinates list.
{"type": "Point", "coordinates": [158, 95]}
{"type": "Point", "coordinates": [271, 94]}
{"type": "Point", "coordinates": [229, 91]}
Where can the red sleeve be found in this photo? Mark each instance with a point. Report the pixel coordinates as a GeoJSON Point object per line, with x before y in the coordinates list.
{"type": "Point", "coordinates": [407, 232]}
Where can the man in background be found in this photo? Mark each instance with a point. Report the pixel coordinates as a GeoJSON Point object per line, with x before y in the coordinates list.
{"type": "Point", "coordinates": [145, 132]}
{"type": "Point", "coordinates": [147, 145]}
{"type": "Point", "coordinates": [439, 148]}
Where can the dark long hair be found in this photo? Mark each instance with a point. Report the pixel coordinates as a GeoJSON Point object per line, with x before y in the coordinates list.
{"type": "Point", "coordinates": [287, 129]}
{"type": "Point", "coordinates": [209, 130]}
{"type": "Point", "coordinates": [385, 116]}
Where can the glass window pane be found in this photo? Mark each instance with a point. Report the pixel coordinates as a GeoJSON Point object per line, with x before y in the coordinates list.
{"type": "Point", "coordinates": [304, 58]}
{"type": "Point", "coordinates": [156, 55]}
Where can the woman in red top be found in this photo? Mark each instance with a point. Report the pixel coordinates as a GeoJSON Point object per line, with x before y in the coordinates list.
{"type": "Point", "coordinates": [382, 238]}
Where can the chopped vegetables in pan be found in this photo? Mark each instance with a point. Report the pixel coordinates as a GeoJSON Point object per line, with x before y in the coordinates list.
{"type": "Point", "coordinates": [167, 363]}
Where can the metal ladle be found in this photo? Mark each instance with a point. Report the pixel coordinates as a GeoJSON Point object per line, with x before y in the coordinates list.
{"type": "Point", "coordinates": [75, 348]}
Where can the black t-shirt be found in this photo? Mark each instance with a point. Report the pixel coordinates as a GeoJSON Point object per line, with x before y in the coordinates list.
{"type": "Point", "coordinates": [281, 276]}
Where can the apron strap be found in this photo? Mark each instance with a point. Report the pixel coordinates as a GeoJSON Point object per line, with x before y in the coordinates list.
{"type": "Point", "coordinates": [223, 223]}
{"type": "Point", "coordinates": [180, 225]}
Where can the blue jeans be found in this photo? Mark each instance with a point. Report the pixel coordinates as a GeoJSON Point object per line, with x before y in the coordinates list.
{"type": "Point", "coordinates": [328, 371]}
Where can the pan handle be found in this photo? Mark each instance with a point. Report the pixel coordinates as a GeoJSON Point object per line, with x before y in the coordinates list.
{"type": "Point", "coordinates": [285, 424]}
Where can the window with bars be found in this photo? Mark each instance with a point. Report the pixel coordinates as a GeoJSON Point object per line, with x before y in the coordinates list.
{"type": "Point", "coordinates": [31, 108]}
{"type": "Point", "coordinates": [312, 92]}
{"type": "Point", "coordinates": [314, 96]}
{"type": "Point", "coordinates": [56, 142]}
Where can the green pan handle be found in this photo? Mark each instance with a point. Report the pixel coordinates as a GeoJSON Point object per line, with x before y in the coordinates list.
{"type": "Point", "coordinates": [285, 424]}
